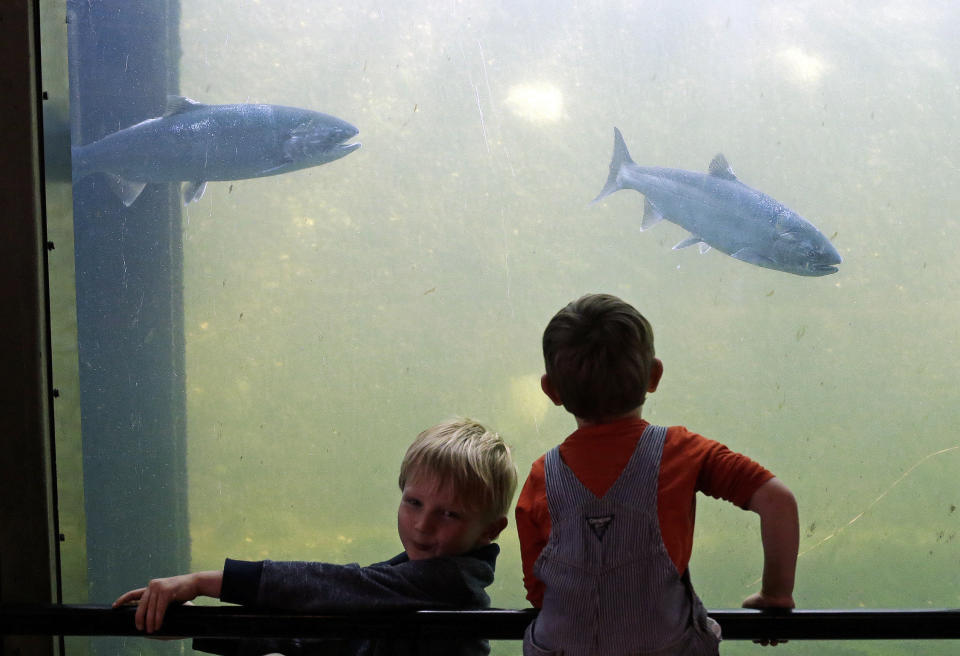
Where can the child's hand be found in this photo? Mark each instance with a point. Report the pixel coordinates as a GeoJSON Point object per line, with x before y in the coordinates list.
{"type": "Point", "coordinates": [153, 600]}
{"type": "Point", "coordinates": [761, 601]}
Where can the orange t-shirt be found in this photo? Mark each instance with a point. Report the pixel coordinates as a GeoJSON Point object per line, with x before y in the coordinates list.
{"type": "Point", "coordinates": [597, 454]}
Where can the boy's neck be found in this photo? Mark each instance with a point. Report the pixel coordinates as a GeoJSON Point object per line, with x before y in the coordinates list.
{"type": "Point", "coordinates": [581, 422]}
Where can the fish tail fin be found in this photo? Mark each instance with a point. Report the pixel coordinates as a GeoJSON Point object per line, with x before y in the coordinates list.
{"type": "Point", "coordinates": [620, 157]}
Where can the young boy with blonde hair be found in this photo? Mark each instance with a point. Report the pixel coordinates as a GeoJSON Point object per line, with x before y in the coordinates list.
{"type": "Point", "coordinates": [457, 482]}
{"type": "Point", "coordinates": [606, 519]}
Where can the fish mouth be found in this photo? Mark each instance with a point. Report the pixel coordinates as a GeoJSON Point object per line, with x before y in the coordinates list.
{"type": "Point", "coordinates": [338, 150]}
{"type": "Point", "coordinates": [823, 269]}
{"type": "Point", "coordinates": [827, 264]}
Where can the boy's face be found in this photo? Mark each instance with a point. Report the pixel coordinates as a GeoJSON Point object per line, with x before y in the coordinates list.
{"type": "Point", "coordinates": [433, 521]}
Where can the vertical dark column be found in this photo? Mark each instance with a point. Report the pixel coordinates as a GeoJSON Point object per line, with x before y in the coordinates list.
{"type": "Point", "coordinates": [27, 515]}
{"type": "Point", "coordinates": [124, 57]}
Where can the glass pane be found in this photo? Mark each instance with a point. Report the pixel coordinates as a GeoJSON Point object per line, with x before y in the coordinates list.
{"type": "Point", "coordinates": [253, 364]}
{"type": "Point", "coordinates": [59, 217]}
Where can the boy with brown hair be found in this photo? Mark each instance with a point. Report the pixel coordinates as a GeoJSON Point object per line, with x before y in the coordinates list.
{"type": "Point", "coordinates": [606, 519]}
{"type": "Point", "coordinates": [457, 482]}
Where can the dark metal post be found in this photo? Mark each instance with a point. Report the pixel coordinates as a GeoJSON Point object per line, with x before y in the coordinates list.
{"type": "Point", "coordinates": [28, 549]}
{"type": "Point", "coordinates": [124, 57]}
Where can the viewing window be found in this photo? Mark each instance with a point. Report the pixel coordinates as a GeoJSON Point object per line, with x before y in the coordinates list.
{"type": "Point", "coordinates": [240, 375]}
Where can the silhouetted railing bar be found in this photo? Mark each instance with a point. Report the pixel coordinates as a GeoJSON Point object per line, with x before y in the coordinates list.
{"type": "Point", "coordinates": [495, 624]}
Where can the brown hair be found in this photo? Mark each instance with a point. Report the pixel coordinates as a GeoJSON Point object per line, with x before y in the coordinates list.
{"type": "Point", "coordinates": [598, 352]}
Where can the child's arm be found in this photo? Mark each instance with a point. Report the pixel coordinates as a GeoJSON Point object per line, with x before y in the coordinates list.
{"type": "Point", "coordinates": [780, 534]}
{"type": "Point", "coordinates": [533, 529]}
{"type": "Point", "coordinates": [159, 593]}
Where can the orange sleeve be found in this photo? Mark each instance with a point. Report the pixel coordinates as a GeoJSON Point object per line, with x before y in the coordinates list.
{"type": "Point", "coordinates": [533, 527]}
{"type": "Point", "coordinates": [691, 463]}
{"type": "Point", "coordinates": [730, 475]}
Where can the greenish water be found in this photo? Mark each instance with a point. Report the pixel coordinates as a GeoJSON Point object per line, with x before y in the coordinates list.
{"type": "Point", "coordinates": [333, 313]}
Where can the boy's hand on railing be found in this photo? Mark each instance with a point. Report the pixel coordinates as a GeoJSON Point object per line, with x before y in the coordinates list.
{"type": "Point", "coordinates": [153, 600]}
{"type": "Point", "coordinates": [760, 601]}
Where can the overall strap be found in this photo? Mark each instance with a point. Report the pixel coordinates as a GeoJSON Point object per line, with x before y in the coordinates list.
{"type": "Point", "coordinates": [640, 477]}
{"type": "Point", "coordinates": [565, 490]}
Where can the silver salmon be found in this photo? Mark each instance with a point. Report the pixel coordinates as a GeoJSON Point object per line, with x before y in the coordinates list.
{"type": "Point", "coordinates": [194, 143]}
{"type": "Point", "coordinates": [721, 212]}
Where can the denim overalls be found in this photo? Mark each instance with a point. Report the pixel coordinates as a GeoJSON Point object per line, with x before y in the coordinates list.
{"type": "Point", "coordinates": [611, 587]}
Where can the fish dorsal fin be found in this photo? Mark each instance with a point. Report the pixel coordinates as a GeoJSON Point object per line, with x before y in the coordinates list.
{"type": "Point", "coordinates": [180, 104]}
{"type": "Point", "coordinates": [719, 168]}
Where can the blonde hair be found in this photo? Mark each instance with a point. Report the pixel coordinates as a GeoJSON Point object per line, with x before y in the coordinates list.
{"type": "Point", "coordinates": [463, 453]}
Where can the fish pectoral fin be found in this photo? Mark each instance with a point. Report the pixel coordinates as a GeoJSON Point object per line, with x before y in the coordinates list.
{"type": "Point", "coordinates": [651, 215]}
{"type": "Point", "coordinates": [126, 190]}
{"type": "Point", "coordinates": [720, 168]}
{"type": "Point", "coordinates": [704, 247]}
{"type": "Point", "coordinates": [193, 191]}
{"type": "Point", "coordinates": [753, 257]}
{"type": "Point", "coordinates": [689, 241]}
{"type": "Point", "coordinates": [288, 149]}
{"type": "Point", "coordinates": [274, 170]}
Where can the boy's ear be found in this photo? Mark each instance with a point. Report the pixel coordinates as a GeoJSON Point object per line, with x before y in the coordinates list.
{"type": "Point", "coordinates": [549, 390]}
{"type": "Point", "coordinates": [655, 374]}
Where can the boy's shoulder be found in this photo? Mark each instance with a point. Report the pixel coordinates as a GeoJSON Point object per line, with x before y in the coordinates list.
{"type": "Point", "coordinates": [683, 436]}
{"type": "Point", "coordinates": [474, 570]}
{"type": "Point", "coordinates": [689, 450]}
{"type": "Point", "coordinates": [681, 441]}
{"type": "Point", "coordinates": [457, 581]}
{"type": "Point", "coordinates": [485, 555]}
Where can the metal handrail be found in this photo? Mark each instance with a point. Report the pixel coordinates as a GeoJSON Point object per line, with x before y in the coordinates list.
{"type": "Point", "coordinates": [495, 624]}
